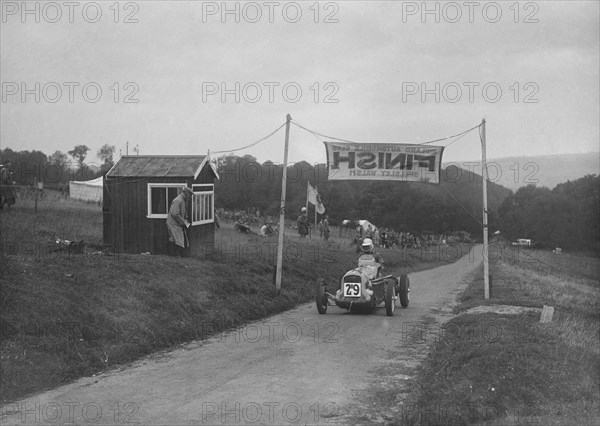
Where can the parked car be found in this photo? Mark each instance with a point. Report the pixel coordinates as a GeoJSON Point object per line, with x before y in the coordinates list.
{"type": "Point", "coordinates": [523, 242]}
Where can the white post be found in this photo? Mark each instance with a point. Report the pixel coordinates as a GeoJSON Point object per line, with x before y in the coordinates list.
{"type": "Point", "coordinates": [484, 174]}
{"type": "Point", "coordinates": [282, 206]}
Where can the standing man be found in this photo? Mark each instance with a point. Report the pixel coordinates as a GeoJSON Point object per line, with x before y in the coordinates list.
{"type": "Point", "coordinates": [8, 194]}
{"type": "Point", "coordinates": [177, 223]}
{"type": "Point", "coordinates": [303, 223]}
{"type": "Point", "coordinates": [325, 223]}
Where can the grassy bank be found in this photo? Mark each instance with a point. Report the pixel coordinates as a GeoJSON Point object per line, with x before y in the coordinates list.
{"type": "Point", "coordinates": [66, 315]}
{"type": "Point", "coordinates": [511, 369]}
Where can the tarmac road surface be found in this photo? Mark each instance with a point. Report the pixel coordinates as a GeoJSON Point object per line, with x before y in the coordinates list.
{"type": "Point", "coordinates": [298, 367]}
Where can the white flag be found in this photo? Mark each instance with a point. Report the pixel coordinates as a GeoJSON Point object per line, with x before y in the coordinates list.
{"type": "Point", "coordinates": [314, 198]}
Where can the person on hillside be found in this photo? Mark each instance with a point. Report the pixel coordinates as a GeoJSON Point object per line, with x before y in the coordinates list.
{"type": "Point", "coordinates": [266, 230]}
{"type": "Point", "coordinates": [8, 194]}
{"type": "Point", "coordinates": [177, 223]}
{"type": "Point", "coordinates": [376, 238]}
{"type": "Point", "coordinates": [358, 238]}
{"type": "Point", "coordinates": [325, 227]}
{"type": "Point", "coordinates": [303, 223]}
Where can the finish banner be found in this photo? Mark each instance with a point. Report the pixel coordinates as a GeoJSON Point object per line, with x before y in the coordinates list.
{"type": "Point", "coordinates": [377, 161]}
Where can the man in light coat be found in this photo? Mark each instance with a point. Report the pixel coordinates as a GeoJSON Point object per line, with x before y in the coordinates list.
{"type": "Point", "coordinates": [177, 222]}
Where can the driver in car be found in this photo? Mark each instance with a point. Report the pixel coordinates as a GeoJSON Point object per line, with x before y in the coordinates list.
{"type": "Point", "coordinates": [370, 257]}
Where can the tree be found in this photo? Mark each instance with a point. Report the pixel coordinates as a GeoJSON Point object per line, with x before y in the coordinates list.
{"type": "Point", "coordinates": [58, 159]}
{"type": "Point", "coordinates": [58, 171]}
{"type": "Point", "coordinates": [105, 153]}
{"type": "Point", "coordinates": [79, 153]}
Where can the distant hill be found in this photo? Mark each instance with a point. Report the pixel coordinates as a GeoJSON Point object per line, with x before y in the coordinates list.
{"type": "Point", "coordinates": [547, 170]}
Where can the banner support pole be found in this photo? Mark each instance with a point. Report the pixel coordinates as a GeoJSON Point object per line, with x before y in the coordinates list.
{"type": "Point", "coordinates": [484, 174]}
{"type": "Point", "coordinates": [282, 206]}
{"type": "Point", "coordinates": [316, 208]}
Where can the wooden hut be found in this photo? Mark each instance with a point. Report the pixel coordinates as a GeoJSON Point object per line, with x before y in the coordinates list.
{"type": "Point", "coordinates": [138, 191]}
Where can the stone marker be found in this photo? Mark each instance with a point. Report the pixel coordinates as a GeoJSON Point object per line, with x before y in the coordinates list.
{"type": "Point", "coordinates": [547, 313]}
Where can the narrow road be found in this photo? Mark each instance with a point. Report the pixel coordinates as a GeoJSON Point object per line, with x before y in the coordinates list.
{"type": "Point", "coordinates": [298, 367]}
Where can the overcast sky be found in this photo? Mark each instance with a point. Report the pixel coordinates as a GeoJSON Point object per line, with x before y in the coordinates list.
{"type": "Point", "coordinates": [361, 70]}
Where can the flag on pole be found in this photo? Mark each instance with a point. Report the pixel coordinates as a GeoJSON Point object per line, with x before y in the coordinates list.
{"type": "Point", "coordinates": [313, 197]}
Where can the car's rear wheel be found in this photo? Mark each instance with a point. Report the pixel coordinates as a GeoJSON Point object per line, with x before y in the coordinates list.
{"type": "Point", "coordinates": [389, 299]}
{"type": "Point", "coordinates": [320, 297]}
{"type": "Point", "coordinates": [404, 290]}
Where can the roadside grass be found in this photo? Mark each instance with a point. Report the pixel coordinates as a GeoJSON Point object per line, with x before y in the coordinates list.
{"type": "Point", "coordinates": [56, 217]}
{"type": "Point", "coordinates": [64, 316]}
{"type": "Point", "coordinates": [511, 369]}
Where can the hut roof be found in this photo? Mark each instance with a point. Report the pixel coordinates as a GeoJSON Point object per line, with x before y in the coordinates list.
{"type": "Point", "coordinates": [160, 166]}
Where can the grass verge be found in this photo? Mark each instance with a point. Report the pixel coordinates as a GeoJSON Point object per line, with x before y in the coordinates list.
{"type": "Point", "coordinates": [511, 369]}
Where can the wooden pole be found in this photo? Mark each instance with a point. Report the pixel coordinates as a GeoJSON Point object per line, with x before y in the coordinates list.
{"type": "Point", "coordinates": [282, 206]}
{"type": "Point", "coordinates": [35, 189]}
{"type": "Point", "coordinates": [484, 174]}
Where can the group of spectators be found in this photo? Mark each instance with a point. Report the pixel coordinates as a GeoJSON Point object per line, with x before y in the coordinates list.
{"type": "Point", "coordinates": [382, 237]}
{"type": "Point", "coordinates": [248, 216]}
{"type": "Point", "coordinates": [245, 218]}
{"type": "Point", "coordinates": [389, 238]}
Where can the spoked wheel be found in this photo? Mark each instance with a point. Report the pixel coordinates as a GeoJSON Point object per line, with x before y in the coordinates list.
{"type": "Point", "coordinates": [404, 290]}
{"type": "Point", "coordinates": [320, 297]}
{"type": "Point", "coordinates": [389, 299]}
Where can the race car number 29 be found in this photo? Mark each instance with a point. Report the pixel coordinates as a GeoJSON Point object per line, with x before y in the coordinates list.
{"type": "Point", "coordinates": [351, 289]}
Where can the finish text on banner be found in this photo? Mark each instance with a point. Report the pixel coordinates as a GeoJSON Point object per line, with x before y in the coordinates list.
{"type": "Point", "coordinates": [376, 161]}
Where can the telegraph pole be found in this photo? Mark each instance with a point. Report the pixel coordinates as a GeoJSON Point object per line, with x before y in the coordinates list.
{"type": "Point", "coordinates": [282, 206]}
{"type": "Point", "coordinates": [484, 174]}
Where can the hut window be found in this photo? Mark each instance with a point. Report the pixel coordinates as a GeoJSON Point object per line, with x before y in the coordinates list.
{"type": "Point", "coordinates": [160, 196]}
{"type": "Point", "coordinates": [203, 204]}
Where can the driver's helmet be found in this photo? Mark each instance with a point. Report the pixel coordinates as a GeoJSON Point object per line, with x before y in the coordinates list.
{"type": "Point", "coordinates": [303, 210]}
{"type": "Point", "coordinates": [367, 245]}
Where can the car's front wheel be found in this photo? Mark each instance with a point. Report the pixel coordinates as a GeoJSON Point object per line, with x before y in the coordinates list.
{"type": "Point", "coordinates": [320, 297]}
{"type": "Point", "coordinates": [404, 290]}
{"type": "Point", "coordinates": [389, 299]}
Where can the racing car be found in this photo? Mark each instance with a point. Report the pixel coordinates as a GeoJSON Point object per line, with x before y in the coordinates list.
{"type": "Point", "coordinates": [364, 287]}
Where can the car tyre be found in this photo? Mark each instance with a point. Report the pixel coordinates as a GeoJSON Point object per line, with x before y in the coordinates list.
{"type": "Point", "coordinates": [404, 290]}
{"type": "Point", "coordinates": [389, 299]}
{"type": "Point", "coordinates": [320, 297]}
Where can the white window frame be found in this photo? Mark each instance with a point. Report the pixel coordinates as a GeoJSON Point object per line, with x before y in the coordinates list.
{"type": "Point", "coordinates": [151, 215]}
{"type": "Point", "coordinates": [199, 195]}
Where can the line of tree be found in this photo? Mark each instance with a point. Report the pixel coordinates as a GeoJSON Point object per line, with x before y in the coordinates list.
{"type": "Point", "coordinates": [57, 169]}
{"type": "Point", "coordinates": [567, 216]}
{"type": "Point", "coordinates": [454, 205]}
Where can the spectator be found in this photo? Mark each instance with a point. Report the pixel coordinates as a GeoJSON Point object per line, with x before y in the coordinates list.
{"type": "Point", "coordinates": [177, 223]}
{"type": "Point", "coordinates": [302, 223]}
{"type": "Point", "coordinates": [325, 227]}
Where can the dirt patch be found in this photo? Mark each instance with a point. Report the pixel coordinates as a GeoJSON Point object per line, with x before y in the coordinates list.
{"type": "Point", "coordinates": [501, 309]}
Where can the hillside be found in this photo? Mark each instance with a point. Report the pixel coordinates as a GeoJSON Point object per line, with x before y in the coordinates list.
{"type": "Point", "coordinates": [454, 205]}
{"type": "Point", "coordinates": [545, 170]}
